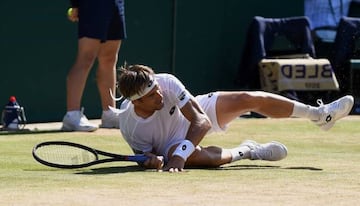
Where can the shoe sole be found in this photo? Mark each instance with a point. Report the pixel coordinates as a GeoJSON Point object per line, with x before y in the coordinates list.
{"type": "Point", "coordinates": [67, 129]}
{"type": "Point", "coordinates": [108, 127]}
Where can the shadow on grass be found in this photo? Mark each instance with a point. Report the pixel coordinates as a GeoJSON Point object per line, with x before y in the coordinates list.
{"type": "Point", "coordinates": [135, 168]}
{"type": "Point", "coordinates": [303, 168]}
{"type": "Point", "coordinates": [249, 167]}
{"type": "Point", "coordinates": [112, 170]}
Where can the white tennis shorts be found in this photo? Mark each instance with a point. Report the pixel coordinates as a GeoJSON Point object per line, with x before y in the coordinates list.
{"type": "Point", "coordinates": [208, 104]}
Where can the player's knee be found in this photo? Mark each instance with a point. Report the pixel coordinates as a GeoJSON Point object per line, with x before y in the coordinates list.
{"type": "Point", "coordinates": [248, 98]}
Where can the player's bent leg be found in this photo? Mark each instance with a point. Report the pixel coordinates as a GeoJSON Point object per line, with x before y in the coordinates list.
{"type": "Point", "coordinates": [232, 104]}
{"type": "Point", "coordinates": [211, 156]}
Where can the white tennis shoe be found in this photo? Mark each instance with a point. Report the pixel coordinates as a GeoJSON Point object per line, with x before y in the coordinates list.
{"type": "Point", "coordinates": [77, 121]}
{"type": "Point", "coordinates": [271, 151]}
{"type": "Point", "coordinates": [330, 113]}
{"type": "Point", "coordinates": [110, 119]}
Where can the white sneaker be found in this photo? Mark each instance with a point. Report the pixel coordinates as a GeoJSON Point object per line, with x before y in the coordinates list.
{"type": "Point", "coordinates": [110, 119]}
{"type": "Point", "coordinates": [272, 151]}
{"type": "Point", "coordinates": [77, 121]}
{"type": "Point", "coordinates": [333, 111]}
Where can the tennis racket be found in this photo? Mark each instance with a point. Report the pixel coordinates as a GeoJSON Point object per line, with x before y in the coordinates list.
{"type": "Point", "coordinates": [69, 155]}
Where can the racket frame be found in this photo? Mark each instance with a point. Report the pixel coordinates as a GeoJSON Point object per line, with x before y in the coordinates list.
{"type": "Point", "coordinates": [111, 156]}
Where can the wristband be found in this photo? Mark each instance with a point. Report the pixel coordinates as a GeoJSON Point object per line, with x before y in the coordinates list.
{"type": "Point", "coordinates": [184, 149]}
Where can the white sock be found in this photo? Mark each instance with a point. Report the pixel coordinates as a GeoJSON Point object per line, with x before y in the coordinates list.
{"type": "Point", "coordinates": [305, 111]}
{"type": "Point", "coordinates": [238, 153]}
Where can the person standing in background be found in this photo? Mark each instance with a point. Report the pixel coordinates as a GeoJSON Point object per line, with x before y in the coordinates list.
{"type": "Point", "coordinates": [101, 28]}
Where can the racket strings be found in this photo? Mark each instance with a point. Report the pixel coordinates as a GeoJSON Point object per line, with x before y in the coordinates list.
{"type": "Point", "coordinates": [65, 155]}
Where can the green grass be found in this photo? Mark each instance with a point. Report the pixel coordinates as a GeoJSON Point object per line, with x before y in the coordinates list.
{"type": "Point", "coordinates": [322, 168]}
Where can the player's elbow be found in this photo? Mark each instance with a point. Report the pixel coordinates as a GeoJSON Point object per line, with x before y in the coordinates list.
{"type": "Point", "coordinates": [205, 124]}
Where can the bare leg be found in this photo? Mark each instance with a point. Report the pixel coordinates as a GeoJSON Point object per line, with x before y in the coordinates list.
{"type": "Point", "coordinates": [231, 105]}
{"type": "Point", "coordinates": [106, 73]}
{"type": "Point", "coordinates": [77, 76]}
{"type": "Point", "coordinates": [211, 156]}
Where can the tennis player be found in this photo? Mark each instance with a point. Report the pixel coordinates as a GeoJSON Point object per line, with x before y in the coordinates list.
{"type": "Point", "coordinates": [160, 117]}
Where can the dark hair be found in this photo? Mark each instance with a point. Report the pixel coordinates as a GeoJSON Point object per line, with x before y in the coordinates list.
{"type": "Point", "coordinates": [133, 79]}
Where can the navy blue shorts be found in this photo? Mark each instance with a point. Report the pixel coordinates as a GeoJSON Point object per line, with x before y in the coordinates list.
{"type": "Point", "coordinates": [102, 19]}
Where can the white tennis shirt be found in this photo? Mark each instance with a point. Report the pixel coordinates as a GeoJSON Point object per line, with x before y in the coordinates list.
{"type": "Point", "coordinates": [162, 129]}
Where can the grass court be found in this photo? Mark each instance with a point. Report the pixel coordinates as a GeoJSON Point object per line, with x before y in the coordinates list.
{"type": "Point", "coordinates": [322, 168]}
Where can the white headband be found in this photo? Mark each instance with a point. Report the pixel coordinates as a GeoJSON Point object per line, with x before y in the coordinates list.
{"type": "Point", "coordinates": [152, 83]}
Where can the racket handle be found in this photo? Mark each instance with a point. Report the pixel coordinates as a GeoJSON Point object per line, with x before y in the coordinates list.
{"type": "Point", "coordinates": [137, 158]}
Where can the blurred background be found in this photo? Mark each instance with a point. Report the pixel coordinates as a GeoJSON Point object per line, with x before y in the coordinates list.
{"type": "Point", "coordinates": [199, 41]}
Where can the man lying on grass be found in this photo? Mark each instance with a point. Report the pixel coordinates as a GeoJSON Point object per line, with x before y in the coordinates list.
{"type": "Point", "coordinates": [160, 117]}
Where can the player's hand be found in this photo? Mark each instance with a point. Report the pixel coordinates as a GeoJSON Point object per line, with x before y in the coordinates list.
{"type": "Point", "coordinates": [175, 164]}
{"type": "Point", "coordinates": [73, 15]}
{"type": "Point", "coordinates": [154, 162]}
